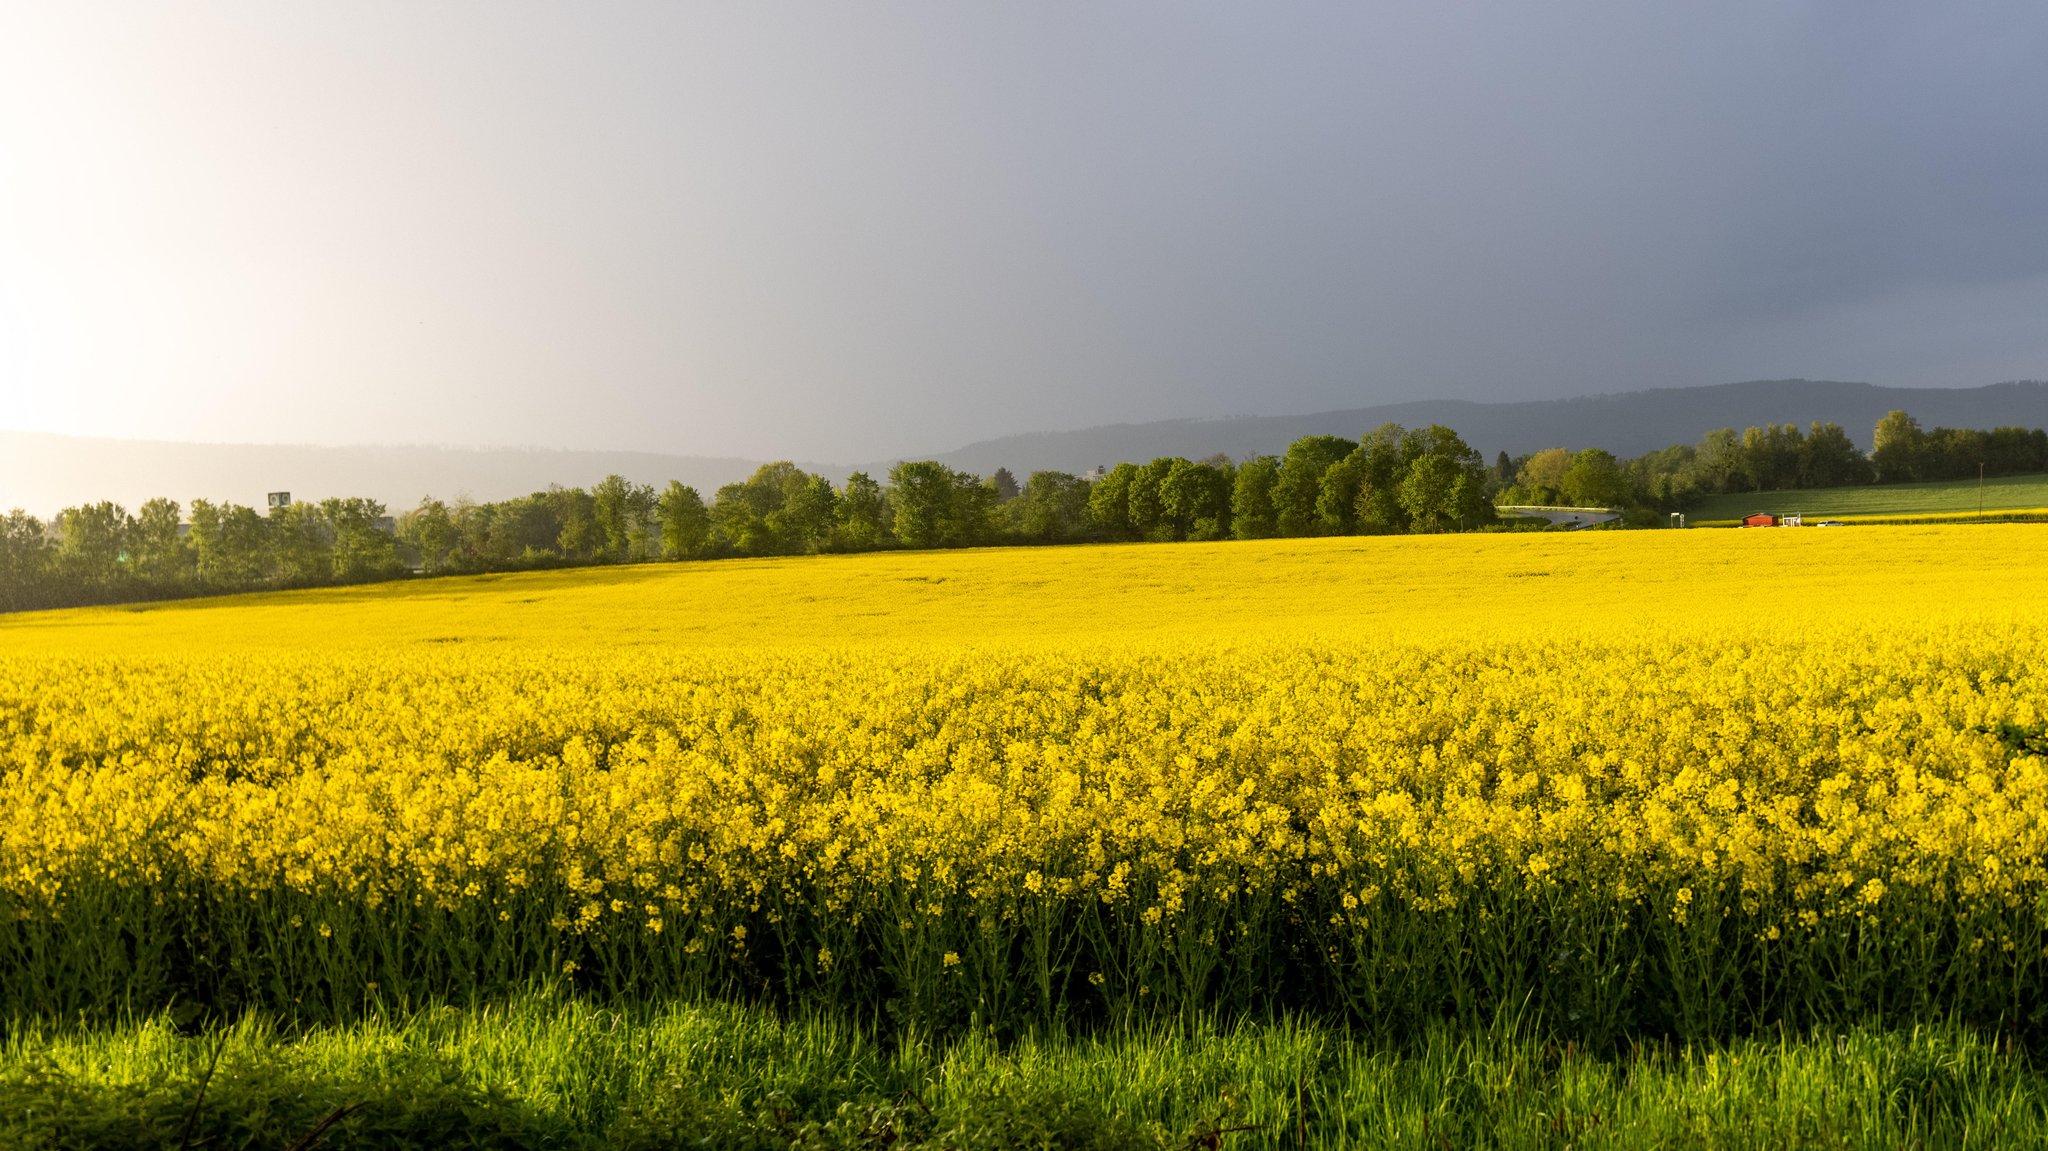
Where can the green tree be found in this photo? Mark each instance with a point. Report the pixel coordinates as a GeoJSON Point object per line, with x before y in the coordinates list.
{"type": "Point", "coordinates": [24, 562]}
{"type": "Point", "coordinates": [575, 517]}
{"type": "Point", "coordinates": [230, 545]}
{"type": "Point", "coordinates": [1195, 500]}
{"type": "Point", "coordinates": [522, 531]}
{"type": "Point", "coordinates": [685, 522]}
{"type": "Point", "coordinates": [1828, 458]}
{"type": "Point", "coordinates": [1427, 494]}
{"type": "Point", "coordinates": [781, 509]}
{"type": "Point", "coordinates": [935, 506]}
{"type": "Point", "coordinates": [1666, 480]}
{"type": "Point", "coordinates": [643, 523]}
{"type": "Point", "coordinates": [1595, 479]}
{"type": "Point", "coordinates": [1898, 448]}
{"type": "Point", "coordinates": [1954, 454]}
{"type": "Point", "coordinates": [1771, 456]}
{"type": "Point", "coordinates": [429, 530]}
{"type": "Point", "coordinates": [808, 516]}
{"type": "Point", "coordinates": [1251, 499]}
{"type": "Point", "coordinates": [1443, 481]}
{"type": "Point", "coordinates": [92, 547]}
{"type": "Point", "coordinates": [363, 546]}
{"type": "Point", "coordinates": [1380, 465]}
{"type": "Point", "coordinates": [1005, 485]}
{"type": "Point", "coordinates": [922, 492]}
{"type": "Point", "coordinates": [474, 524]}
{"type": "Point", "coordinates": [533, 531]}
{"type": "Point", "coordinates": [974, 510]}
{"type": "Point", "coordinates": [1719, 461]}
{"type": "Point", "coordinates": [2016, 451]}
{"type": "Point", "coordinates": [1109, 503]}
{"type": "Point", "coordinates": [160, 556]}
{"type": "Point", "coordinates": [1337, 493]}
{"type": "Point", "coordinates": [738, 525]}
{"type": "Point", "coordinates": [863, 513]}
{"type": "Point", "coordinates": [1052, 508]}
{"type": "Point", "coordinates": [1299, 484]}
{"type": "Point", "coordinates": [1541, 478]}
{"type": "Point", "coordinates": [621, 514]}
{"type": "Point", "coordinates": [1147, 503]}
{"type": "Point", "coordinates": [301, 545]}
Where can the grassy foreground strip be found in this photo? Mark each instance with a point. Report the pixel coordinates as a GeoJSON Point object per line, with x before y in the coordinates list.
{"type": "Point", "coordinates": [556, 1072]}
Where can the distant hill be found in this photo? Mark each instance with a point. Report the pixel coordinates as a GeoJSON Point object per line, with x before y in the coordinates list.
{"type": "Point", "coordinates": [44, 473]}
{"type": "Point", "coordinates": [1627, 423]}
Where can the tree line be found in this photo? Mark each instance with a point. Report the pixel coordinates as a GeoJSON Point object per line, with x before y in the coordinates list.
{"type": "Point", "coordinates": [1772, 457]}
{"type": "Point", "coordinates": [1392, 480]}
{"type": "Point", "coordinates": [99, 553]}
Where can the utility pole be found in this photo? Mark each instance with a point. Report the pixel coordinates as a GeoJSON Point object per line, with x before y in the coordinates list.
{"type": "Point", "coordinates": [1980, 489]}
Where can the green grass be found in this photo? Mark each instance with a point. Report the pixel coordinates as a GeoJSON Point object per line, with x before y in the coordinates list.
{"type": "Point", "coordinates": [1954, 497]}
{"type": "Point", "coordinates": [559, 1073]}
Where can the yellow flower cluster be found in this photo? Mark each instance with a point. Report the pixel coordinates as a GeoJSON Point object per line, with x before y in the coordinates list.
{"type": "Point", "coordinates": [1392, 769]}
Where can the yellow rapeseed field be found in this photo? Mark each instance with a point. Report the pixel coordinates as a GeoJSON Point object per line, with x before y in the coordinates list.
{"type": "Point", "coordinates": [1651, 781]}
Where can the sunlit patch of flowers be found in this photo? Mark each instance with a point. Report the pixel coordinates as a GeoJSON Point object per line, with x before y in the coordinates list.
{"type": "Point", "coordinates": [1692, 824]}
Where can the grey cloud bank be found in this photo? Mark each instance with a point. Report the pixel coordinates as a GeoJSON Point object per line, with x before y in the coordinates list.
{"type": "Point", "coordinates": [844, 233]}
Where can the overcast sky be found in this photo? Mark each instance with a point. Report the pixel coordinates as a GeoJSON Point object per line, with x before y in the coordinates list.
{"type": "Point", "coordinates": [845, 231]}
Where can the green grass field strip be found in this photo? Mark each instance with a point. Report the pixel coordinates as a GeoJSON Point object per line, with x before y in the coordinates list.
{"type": "Point", "coordinates": [558, 1073]}
{"type": "Point", "coordinates": [1947, 497]}
{"type": "Point", "coordinates": [2007, 516]}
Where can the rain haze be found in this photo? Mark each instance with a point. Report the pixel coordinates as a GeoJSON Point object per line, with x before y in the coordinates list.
{"type": "Point", "coordinates": [845, 232]}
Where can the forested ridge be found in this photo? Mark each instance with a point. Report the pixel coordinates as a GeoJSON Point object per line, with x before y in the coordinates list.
{"type": "Point", "coordinates": [1392, 480]}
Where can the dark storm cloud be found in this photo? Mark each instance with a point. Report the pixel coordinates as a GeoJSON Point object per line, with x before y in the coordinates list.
{"type": "Point", "coordinates": [840, 232]}
{"type": "Point", "coordinates": [1911, 156]}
